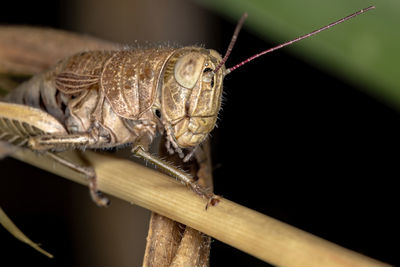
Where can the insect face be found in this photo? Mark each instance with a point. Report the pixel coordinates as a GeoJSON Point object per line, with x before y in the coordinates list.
{"type": "Point", "coordinates": [191, 95]}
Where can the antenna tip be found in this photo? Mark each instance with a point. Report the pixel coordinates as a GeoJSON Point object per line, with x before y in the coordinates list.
{"type": "Point", "coordinates": [369, 8]}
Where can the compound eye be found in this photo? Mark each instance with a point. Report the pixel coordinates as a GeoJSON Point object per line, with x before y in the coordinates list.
{"type": "Point", "coordinates": [188, 68]}
{"type": "Point", "coordinates": [208, 76]}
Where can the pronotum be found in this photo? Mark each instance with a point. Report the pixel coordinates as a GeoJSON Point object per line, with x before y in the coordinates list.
{"type": "Point", "coordinates": [103, 99]}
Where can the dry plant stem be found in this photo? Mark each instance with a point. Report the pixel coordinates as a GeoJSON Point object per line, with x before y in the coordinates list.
{"type": "Point", "coordinates": [163, 239]}
{"type": "Point", "coordinates": [194, 249]}
{"type": "Point", "coordinates": [257, 234]}
{"type": "Point", "coordinates": [14, 230]}
{"type": "Point", "coordinates": [170, 243]}
{"type": "Point", "coordinates": [29, 50]}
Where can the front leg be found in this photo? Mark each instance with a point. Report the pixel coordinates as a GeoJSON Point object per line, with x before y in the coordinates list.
{"type": "Point", "coordinates": [43, 143]}
{"type": "Point", "coordinates": [140, 149]}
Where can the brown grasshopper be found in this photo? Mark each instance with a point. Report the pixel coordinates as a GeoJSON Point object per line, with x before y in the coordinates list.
{"type": "Point", "coordinates": [106, 99]}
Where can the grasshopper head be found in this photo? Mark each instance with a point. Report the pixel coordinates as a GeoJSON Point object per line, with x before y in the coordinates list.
{"type": "Point", "coordinates": [192, 87]}
{"type": "Point", "coordinates": [191, 95]}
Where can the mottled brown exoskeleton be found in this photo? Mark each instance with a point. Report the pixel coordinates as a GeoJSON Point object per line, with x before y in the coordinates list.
{"type": "Point", "coordinates": [113, 98]}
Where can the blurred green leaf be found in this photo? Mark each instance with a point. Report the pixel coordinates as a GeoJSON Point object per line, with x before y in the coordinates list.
{"type": "Point", "coordinates": [363, 51]}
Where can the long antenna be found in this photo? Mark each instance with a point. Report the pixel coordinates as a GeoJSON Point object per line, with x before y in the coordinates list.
{"type": "Point", "coordinates": [233, 41]}
{"type": "Point", "coordinates": [234, 37]}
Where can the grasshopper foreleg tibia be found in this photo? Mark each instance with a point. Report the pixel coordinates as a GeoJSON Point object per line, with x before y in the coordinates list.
{"type": "Point", "coordinates": [186, 179]}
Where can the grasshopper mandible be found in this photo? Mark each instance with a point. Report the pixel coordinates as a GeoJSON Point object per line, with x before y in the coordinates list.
{"type": "Point", "coordinates": [107, 99]}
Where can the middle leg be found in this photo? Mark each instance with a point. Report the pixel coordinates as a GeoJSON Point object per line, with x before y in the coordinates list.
{"type": "Point", "coordinates": [44, 143]}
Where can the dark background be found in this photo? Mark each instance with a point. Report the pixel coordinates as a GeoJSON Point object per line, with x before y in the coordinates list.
{"type": "Point", "coordinates": [292, 142]}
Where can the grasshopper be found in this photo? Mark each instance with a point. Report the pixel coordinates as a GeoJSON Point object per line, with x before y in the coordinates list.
{"type": "Point", "coordinates": [104, 99]}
